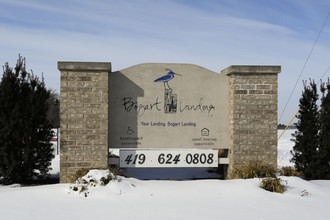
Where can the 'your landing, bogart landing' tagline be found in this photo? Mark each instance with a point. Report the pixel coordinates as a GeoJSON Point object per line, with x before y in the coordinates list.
{"type": "Point", "coordinates": [169, 124]}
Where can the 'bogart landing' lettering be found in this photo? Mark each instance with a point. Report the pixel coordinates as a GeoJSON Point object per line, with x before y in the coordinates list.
{"type": "Point", "coordinates": [130, 105]}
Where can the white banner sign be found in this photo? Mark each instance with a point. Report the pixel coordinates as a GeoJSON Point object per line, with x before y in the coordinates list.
{"type": "Point", "coordinates": [168, 158]}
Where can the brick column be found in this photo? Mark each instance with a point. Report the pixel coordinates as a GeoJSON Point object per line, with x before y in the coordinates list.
{"type": "Point", "coordinates": [84, 117]}
{"type": "Point", "coordinates": [253, 115]}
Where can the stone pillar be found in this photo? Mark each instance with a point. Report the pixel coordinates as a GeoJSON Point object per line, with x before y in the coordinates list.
{"type": "Point", "coordinates": [84, 117]}
{"type": "Point", "coordinates": [253, 115]}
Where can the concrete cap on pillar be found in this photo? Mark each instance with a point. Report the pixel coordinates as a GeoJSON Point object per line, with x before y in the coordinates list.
{"type": "Point", "coordinates": [84, 66]}
{"type": "Point", "coordinates": [251, 69]}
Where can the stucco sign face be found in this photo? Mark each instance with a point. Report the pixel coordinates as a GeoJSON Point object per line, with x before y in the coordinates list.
{"type": "Point", "coordinates": [168, 106]}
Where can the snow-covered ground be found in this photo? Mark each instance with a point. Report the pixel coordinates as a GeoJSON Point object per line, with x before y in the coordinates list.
{"type": "Point", "coordinates": [131, 198]}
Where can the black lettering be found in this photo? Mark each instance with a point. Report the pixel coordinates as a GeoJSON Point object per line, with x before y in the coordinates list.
{"type": "Point", "coordinates": [141, 108]}
{"type": "Point", "coordinates": [128, 104]}
{"type": "Point", "coordinates": [200, 107]}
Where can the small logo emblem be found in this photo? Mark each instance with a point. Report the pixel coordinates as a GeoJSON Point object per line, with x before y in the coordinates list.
{"type": "Point", "coordinates": [130, 131]}
{"type": "Point", "coordinates": [205, 132]}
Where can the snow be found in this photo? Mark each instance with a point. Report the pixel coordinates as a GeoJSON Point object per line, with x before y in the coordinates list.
{"type": "Point", "coordinates": [55, 172]}
{"type": "Point", "coordinates": [132, 198]}
{"type": "Point", "coordinates": [284, 147]}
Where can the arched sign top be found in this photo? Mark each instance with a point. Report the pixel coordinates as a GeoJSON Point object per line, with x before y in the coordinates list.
{"type": "Point", "coordinates": [168, 105]}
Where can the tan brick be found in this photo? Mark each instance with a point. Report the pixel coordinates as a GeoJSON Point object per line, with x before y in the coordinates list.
{"type": "Point", "coordinates": [233, 87]}
{"type": "Point", "coordinates": [240, 81]}
{"type": "Point", "coordinates": [263, 97]}
{"type": "Point", "coordinates": [84, 164]}
{"type": "Point", "coordinates": [240, 91]}
{"type": "Point", "coordinates": [270, 92]}
{"type": "Point", "coordinates": [64, 165]}
{"type": "Point", "coordinates": [255, 92]}
{"type": "Point", "coordinates": [84, 78]}
{"type": "Point", "coordinates": [67, 89]}
{"type": "Point", "coordinates": [248, 86]}
{"type": "Point", "coordinates": [248, 97]}
{"type": "Point", "coordinates": [254, 81]}
{"type": "Point", "coordinates": [264, 86]}
{"type": "Point", "coordinates": [80, 132]}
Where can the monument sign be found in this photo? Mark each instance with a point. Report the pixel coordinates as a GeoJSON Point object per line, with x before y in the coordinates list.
{"type": "Point", "coordinates": [166, 115]}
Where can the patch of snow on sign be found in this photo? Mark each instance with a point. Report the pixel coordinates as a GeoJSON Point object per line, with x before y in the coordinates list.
{"type": "Point", "coordinates": [114, 152]}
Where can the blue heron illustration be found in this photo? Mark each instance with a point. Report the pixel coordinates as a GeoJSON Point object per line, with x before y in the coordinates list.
{"type": "Point", "coordinates": [167, 77]}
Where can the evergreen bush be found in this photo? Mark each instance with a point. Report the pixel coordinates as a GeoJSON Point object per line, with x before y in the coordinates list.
{"type": "Point", "coordinates": [324, 135]}
{"type": "Point", "coordinates": [25, 132]}
{"type": "Point", "coordinates": [311, 152]}
{"type": "Point", "coordinates": [305, 150]}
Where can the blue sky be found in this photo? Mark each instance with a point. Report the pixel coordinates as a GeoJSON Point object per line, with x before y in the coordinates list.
{"type": "Point", "coordinates": [211, 33]}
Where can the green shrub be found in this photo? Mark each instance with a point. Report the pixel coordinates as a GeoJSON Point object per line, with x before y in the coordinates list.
{"type": "Point", "coordinates": [272, 184]}
{"type": "Point", "coordinates": [289, 171]}
{"type": "Point", "coordinates": [254, 170]}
